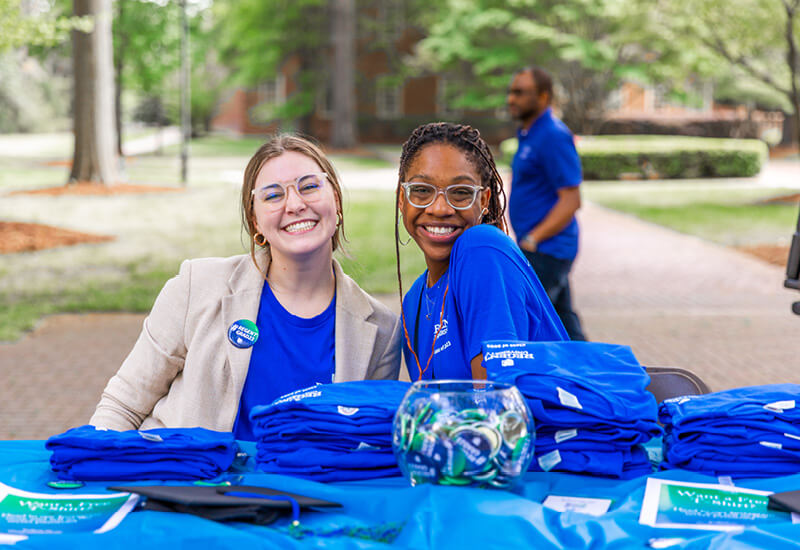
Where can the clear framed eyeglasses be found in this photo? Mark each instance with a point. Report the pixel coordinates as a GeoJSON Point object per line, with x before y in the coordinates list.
{"type": "Point", "coordinates": [308, 186]}
{"type": "Point", "coordinates": [460, 196]}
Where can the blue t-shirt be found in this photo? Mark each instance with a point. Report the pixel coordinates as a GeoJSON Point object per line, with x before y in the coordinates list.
{"type": "Point", "coordinates": [493, 294]}
{"type": "Point", "coordinates": [546, 161]}
{"type": "Point", "coordinates": [741, 432]}
{"type": "Point", "coordinates": [88, 453]}
{"type": "Point", "coordinates": [291, 352]}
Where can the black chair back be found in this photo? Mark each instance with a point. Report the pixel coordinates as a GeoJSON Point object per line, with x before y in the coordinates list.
{"type": "Point", "coordinates": [668, 382]}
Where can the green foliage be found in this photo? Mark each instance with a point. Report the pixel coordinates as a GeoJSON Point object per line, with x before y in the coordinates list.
{"type": "Point", "coordinates": [258, 39]}
{"type": "Point", "coordinates": [257, 36]}
{"type": "Point", "coordinates": [147, 42]}
{"type": "Point", "coordinates": [663, 157]}
{"type": "Point", "coordinates": [147, 34]}
{"type": "Point", "coordinates": [588, 45]}
{"type": "Point", "coordinates": [207, 74]}
{"type": "Point", "coordinates": [733, 88]}
{"type": "Point", "coordinates": [39, 29]}
{"type": "Point", "coordinates": [33, 96]}
{"type": "Point", "coordinates": [31, 99]}
{"type": "Point", "coordinates": [744, 40]}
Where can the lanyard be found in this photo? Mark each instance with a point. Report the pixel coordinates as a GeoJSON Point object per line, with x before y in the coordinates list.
{"type": "Point", "coordinates": [416, 330]}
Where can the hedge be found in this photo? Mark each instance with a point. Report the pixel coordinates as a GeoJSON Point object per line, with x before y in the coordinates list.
{"type": "Point", "coordinates": [662, 157]}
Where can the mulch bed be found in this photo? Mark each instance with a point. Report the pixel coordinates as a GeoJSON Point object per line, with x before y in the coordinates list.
{"type": "Point", "coordinates": [29, 237]}
{"type": "Point", "coordinates": [774, 254]}
{"type": "Point", "coordinates": [88, 188]}
{"type": "Point", "coordinates": [784, 199]}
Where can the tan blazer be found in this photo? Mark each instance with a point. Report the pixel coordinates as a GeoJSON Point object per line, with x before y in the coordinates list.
{"type": "Point", "coordinates": [183, 371]}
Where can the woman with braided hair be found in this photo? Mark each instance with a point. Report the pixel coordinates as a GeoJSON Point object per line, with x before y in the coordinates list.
{"type": "Point", "coordinates": [477, 286]}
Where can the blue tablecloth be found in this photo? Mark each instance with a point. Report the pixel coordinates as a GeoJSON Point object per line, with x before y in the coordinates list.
{"type": "Point", "coordinates": [434, 517]}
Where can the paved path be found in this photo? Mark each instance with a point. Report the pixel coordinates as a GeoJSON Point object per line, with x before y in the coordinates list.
{"type": "Point", "coordinates": [168, 135]}
{"type": "Point", "coordinates": [677, 300]}
{"type": "Point", "coordinates": [680, 301]}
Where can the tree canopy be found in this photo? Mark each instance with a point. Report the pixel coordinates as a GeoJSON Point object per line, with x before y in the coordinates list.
{"type": "Point", "coordinates": [755, 40]}
{"type": "Point", "coordinates": [37, 28]}
{"type": "Point", "coordinates": [589, 46]}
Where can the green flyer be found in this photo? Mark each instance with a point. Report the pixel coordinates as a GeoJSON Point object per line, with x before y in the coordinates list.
{"type": "Point", "coordinates": [676, 504]}
{"type": "Point", "coordinates": [26, 513]}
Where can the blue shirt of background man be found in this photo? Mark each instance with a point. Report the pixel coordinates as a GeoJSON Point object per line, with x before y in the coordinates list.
{"type": "Point", "coordinates": [291, 353]}
{"type": "Point", "coordinates": [494, 294]}
{"type": "Point", "coordinates": [546, 161]}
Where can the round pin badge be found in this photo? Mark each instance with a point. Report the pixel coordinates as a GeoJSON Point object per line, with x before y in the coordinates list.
{"type": "Point", "coordinates": [243, 333]}
{"type": "Point", "coordinates": [204, 483]}
{"type": "Point", "coordinates": [65, 484]}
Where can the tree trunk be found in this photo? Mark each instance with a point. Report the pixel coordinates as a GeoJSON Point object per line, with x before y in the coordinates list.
{"type": "Point", "coordinates": [794, 67]}
{"type": "Point", "coordinates": [94, 159]}
{"type": "Point", "coordinates": [119, 59]}
{"type": "Point", "coordinates": [307, 56]}
{"type": "Point", "coordinates": [343, 37]}
{"type": "Point", "coordinates": [795, 99]}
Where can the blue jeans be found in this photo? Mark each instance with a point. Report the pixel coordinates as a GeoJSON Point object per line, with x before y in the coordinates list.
{"type": "Point", "coordinates": [554, 275]}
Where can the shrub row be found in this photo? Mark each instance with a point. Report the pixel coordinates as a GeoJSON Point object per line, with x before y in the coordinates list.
{"type": "Point", "coordinates": [657, 157]}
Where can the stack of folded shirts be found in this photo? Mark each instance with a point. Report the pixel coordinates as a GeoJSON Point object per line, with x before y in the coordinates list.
{"type": "Point", "coordinates": [744, 432]}
{"type": "Point", "coordinates": [589, 402]}
{"type": "Point", "coordinates": [330, 432]}
{"type": "Point", "coordinates": [87, 453]}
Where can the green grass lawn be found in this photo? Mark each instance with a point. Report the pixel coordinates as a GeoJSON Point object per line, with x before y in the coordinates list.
{"type": "Point", "coordinates": [723, 212]}
{"type": "Point", "coordinates": [370, 259]}
{"type": "Point", "coordinates": [156, 231]}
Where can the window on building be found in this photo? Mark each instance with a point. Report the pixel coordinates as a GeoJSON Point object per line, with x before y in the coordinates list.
{"type": "Point", "coordinates": [325, 100]}
{"type": "Point", "coordinates": [272, 92]}
{"type": "Point", "coordinates": [614, 100]}
{"type": "Point", "coordinates": [661, 98]}
{"type": "Point", "coordinates": [444, 98]}
{"type": "Point", "coordinates": [391, 18]}
{"type": "Point", "coordinates": [389, 102]}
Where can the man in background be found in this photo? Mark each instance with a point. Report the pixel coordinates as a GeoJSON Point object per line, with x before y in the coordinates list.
{"type": "Point", "coordinates": [545, 193]}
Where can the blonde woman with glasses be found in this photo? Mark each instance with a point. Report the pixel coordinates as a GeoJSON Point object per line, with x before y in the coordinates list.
{"type": "Point", "coordinates": [227, 334]}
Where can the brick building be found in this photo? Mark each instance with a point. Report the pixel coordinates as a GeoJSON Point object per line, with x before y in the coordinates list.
{"type": "Point", "coordinates": [388, 114]}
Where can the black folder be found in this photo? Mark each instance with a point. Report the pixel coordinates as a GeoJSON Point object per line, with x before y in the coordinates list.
{"type": "Point", "coordinates": [787, 501]}
{"type": "Point", "coordinates": [246, 503]}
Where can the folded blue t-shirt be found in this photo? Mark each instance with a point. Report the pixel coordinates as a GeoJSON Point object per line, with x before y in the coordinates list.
{"type": "Point", "coordinates": [330, 432]}
{"type": "Point", "coordinates": [87, 453]}
{"type": "Point", "coordinates": [622, 464]}
{"type": "Point", "coordinates": [363, 399]}
{"type": "Point", "coordinates": [753, 403]}
{"type": "Point", "coordinates": [574, 384]}
{"type": "Point", "coordinates": [742, 432]}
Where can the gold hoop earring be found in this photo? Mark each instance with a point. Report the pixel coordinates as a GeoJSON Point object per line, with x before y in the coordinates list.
{"type": "Point", "coordinates": [259, 239]}
{"type": "Point", "coordinates": [339, 218]}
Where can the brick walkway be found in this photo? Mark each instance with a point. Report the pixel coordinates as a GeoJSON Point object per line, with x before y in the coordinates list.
{"type": "Point", "coordinates": [680, 301]}
{"type": "Point", "coordinates": [675, 299]}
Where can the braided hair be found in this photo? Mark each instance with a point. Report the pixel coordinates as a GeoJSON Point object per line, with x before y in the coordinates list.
{"type": "Point", "coordinates": [468, 140]}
